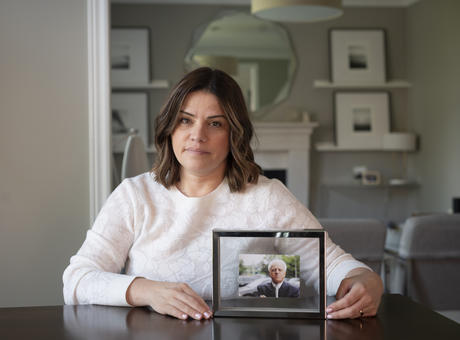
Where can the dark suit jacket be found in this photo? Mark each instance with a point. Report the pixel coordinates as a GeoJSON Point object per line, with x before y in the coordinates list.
{"type": "Point", "coordinates": [286, 290]}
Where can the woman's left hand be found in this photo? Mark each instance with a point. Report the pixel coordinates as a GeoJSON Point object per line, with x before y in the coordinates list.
{"type": "Point", "coordinates": [358, 295]}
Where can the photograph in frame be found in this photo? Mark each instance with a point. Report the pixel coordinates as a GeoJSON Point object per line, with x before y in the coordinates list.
{"type": "Point", "coordinates": [256, 275]}
{"type": "Point", "coordinates": [361, 119]}
{"type": "Point", "coordinates": [357, 56]}
{"type": "Point", "coordinates": [130, 56]}
{"type": "Point", "coordinates": [269, 275]}
{"type": "Point", "coordinates": [129, 116]}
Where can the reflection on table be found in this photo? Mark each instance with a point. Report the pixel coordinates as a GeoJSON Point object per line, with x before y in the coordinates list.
{"type": "Point", "coordinates": [118, 323]}
{"type": "Point", "coordinates": [398, 318]}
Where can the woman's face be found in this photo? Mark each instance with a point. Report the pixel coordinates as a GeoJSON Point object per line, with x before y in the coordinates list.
{"type": "Point", "coordinates": [201, 138]}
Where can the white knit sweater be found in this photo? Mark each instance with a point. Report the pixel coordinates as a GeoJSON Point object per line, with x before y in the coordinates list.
{"type": "Point", "coordinates": [162, 235]}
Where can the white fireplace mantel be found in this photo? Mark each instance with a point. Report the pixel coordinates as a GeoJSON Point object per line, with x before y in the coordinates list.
{"type": "Point", "coordinates": [286, 145]}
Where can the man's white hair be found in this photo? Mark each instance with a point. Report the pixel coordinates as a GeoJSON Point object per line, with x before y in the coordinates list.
{"type": "Point", "coordinates": [277, 261]}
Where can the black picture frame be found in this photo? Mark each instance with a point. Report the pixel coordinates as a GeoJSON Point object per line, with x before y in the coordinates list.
{"type": "Point", "coordinates": [286, 308]}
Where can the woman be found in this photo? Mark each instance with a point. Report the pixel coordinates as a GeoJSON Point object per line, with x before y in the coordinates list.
{"type": "Point", "coordinates": [157, 226]}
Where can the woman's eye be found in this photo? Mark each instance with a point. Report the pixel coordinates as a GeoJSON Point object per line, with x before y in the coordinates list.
{"type": "Point", "coordinates": [184, 120]}
{"type": "Point", "coordinates": [216, 124]}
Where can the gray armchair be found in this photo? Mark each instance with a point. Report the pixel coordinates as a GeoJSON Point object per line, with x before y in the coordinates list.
{"type": "Point", "coordinates": [428, 266]}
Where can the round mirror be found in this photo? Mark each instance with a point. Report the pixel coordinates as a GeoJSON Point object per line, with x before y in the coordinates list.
{"type": "Point", "coordinates": [258, 54]}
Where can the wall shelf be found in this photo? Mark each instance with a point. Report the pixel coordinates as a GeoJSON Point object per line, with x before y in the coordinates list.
{"type": "Point", "coordinates": [326, 84]}
{"type": "Point", "coordinates": [354, 188]}
{"type": "Point", "coordinates": [331, 147]}
{"type": "Point", "coordinates": [358, 185]}
{"type": "Point", "coordinates": [154, 85]}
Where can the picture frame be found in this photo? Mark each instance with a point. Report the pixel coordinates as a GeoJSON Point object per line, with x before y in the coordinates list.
{"type": "Point", "coordinates": [371, 177]}
{"type": "Point", "coordinates": [130, 56]}
{"type": "Point", "coordinates": [361, 119]}
{"type": "Point", "coordinates": [357, 56]}
{"type": "Point", "coordinates": [129, 116]}
{"type": "Point", "coordinates": [227, 300]}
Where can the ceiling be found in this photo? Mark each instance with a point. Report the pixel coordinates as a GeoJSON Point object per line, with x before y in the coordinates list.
{"type": "Point", "coordinates": [346, 3]}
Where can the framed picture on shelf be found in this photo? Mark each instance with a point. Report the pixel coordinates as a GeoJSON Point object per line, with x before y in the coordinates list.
{"type": "Point", "coordinates": [130, 56]}
{"type": "Point", "coordinates": [357, 56]}
{"type": "Point", "coordinates": [370, 177]}
{"type": "Point", "coordinates": [361, 119]}
{"type": "Point", "coordinates": [129, 115]}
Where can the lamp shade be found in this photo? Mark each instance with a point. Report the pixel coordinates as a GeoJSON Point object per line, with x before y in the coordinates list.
{"type": "Point", "coordinates": [297, 10]}
{"type": "Point", "coordinates": [399, 141]}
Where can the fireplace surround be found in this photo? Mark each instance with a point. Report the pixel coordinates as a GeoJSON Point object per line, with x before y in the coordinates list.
{"type": "Point", "coordinates": [286, 146]}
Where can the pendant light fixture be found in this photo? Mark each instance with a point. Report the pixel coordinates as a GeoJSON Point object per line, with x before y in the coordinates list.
{"type": "Point", "coordinates": [297, 10]}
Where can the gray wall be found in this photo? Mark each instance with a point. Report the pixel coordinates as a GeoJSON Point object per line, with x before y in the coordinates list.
{"type": "Point", "coordinates": [172, 28]}
{"type": "Point", "coordinates": [44, 182]}
{"type": "Point", "coordinates": [433, 53]}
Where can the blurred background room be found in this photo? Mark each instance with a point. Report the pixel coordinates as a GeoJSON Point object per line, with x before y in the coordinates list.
{"type": "Point", "coordinates": [358, 114]}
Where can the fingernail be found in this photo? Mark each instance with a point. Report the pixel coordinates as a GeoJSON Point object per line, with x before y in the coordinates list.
{"type": "Point", "coordinates": [329, 310]}
{"type": "Point", "coordinates": [197, 316]}
{"type": "Point", "coordinates": [329, 316]}
{"type": "Point", "coordinates": [184, 316]}
{"type": "Point", "coordinates": [207, 315]}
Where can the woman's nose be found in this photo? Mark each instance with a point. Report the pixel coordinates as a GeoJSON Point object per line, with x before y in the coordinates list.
{"type": "Point", "coordinates": [198, 132]}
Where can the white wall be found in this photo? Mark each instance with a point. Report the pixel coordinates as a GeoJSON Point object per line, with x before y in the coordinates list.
{"type": "Point", "coordinates": [433, 51]}
{"type": "Point", "coordinates": [44, 176]}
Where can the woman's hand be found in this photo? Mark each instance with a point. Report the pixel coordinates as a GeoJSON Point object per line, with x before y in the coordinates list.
{"type": "Point", "coordinates": [358, 295]}
{"type": "Point", "coordinates": [175, 299]}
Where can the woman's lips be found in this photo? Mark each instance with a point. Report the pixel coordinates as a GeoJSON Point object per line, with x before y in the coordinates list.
{"type": "Point", "coordinates": [196, 151]}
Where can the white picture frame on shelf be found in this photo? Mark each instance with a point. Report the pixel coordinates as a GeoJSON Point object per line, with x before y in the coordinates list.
{"type": "Point", "coordinates": [129, 115]}
{"type": "Point", "coordinates": [361, 119]}
{"type": "Point", "coordinates": [130, 56]}
{"type": "Point", "coordinates": [357, 56]}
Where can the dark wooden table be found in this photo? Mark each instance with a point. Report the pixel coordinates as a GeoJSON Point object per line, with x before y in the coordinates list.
{"type": "Point", "coordinates": [398, 318]}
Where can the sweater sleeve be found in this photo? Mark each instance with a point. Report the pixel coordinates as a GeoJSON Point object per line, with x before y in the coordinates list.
{"type": "Point", "coordinates": [295, 215]}
{"type": "Point", "coordinates": [93, 275]}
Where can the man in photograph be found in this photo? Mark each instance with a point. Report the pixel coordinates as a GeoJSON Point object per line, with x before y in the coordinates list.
{"type": "Point", "coordinates": [277, 287]}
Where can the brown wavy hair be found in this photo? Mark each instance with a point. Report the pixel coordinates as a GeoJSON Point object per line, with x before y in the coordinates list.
{"type": "Point", "coordinates": [241, 167]}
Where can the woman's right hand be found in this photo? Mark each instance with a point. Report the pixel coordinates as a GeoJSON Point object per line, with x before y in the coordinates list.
{"type": "Point", "coordinates": [175, 299]}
